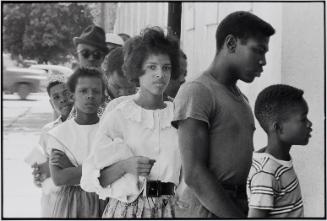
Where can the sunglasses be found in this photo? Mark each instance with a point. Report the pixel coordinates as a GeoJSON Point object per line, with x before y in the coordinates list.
{"type": "Point", "coordinates": [97, 55]}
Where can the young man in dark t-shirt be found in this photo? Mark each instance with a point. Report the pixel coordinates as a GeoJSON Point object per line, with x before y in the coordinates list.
{"type": "Point", "coordinates": [215, 122]}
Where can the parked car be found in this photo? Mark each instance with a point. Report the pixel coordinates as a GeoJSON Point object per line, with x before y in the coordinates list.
{"type": "Point", "coordinates": [22, 80]}
{"type": "Point", "coordinates": [53, 69]}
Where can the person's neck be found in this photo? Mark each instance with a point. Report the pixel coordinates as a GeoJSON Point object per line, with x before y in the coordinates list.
{"type": "Point", "coordinates": [85, 118]}
{"type": "Point", "coordinates": [278, 149]}
{"type": "Point", "coordinates": [149, 101]}
{"type": "Point", "coordinates": [221, 71]}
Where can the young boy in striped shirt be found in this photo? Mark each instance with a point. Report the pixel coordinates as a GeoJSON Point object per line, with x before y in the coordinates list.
{"type": "Point", "coordinates": [272, 186]}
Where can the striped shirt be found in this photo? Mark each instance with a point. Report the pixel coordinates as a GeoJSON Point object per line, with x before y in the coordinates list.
{"type": "Point", "coordinates": [272, 185]}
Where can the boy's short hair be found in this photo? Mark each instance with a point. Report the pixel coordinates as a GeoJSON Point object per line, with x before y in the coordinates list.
{"type": "Point", "coordinates": [275, 102]}
{"type": "Point", "coordinates": [52, 84]}
{"type": "Point", "coordinates": [242, 25]}
{"type": "Point", "coordinates": [150, 41]}
{"type": "Point", "coordinates": [114, 62]}
{"type": "Point", "coordinates": [85, 72]}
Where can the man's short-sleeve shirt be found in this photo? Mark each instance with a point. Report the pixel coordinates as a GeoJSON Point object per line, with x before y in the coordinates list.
{"type": "Point", "coordinates": [230, 123]}
{"type": "Point", "coordinates": [230, 126]}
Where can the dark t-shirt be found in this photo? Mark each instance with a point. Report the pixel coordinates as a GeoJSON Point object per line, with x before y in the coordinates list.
{"type": "Point", "coordinates": [230, 125]}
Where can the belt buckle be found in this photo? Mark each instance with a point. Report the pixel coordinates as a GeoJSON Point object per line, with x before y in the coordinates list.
{"type": "Point", "coordinates": [158, 184]}
{"type": "Point", "coordinates": [153, 188]}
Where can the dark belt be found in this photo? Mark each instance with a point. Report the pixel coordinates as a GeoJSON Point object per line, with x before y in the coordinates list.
{"type": "Point", "coordinates": [238, 190]}
{"type": "Point", "coordinates": [156, 188]}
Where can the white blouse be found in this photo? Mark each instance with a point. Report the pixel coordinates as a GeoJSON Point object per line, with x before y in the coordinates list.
{"type": "Point", "coordinates": [44, 135]}
{"type": "Point", "coordinates": [129, 130]}
{"type": "Point", "coordinates": [73, 139]}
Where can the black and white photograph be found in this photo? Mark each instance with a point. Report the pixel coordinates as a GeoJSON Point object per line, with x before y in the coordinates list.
{"type": "Point", "coordinates": [163, 110]}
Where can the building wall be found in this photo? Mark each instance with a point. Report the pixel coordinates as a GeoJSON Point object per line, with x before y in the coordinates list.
{"type": "Point", "coordinates": [132, 17]}
{"type": "Point", "coordinates": [303, 67]}
{"type": "Point", "coordinates": [104, 15]}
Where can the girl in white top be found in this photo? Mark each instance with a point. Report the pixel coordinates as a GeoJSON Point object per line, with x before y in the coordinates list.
{"type": "Point", "coordinates": [73, 140]}
{"type": "Point", "coordinates": [136, 160]}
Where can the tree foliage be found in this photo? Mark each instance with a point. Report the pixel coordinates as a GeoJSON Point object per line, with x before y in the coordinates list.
{"type": "Point", "coordinates": [43, 31]}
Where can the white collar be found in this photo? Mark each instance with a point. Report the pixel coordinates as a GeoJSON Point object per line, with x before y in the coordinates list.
{"type": "Point", "coordinates": [136, 113]}
{"type": "Point", "coordinates": [286, 163]}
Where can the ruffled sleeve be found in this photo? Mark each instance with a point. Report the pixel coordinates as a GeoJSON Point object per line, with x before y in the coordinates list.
{"type": "Point", "coordinates": [109, 148]}
{"type": "Point", "coordinates": [125, 189]}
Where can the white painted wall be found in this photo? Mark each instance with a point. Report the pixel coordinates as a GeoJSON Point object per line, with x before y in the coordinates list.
{"type": "Point", "coordinates": [303, 67]}
{"type": "Point", "coordinates": [132, 17]}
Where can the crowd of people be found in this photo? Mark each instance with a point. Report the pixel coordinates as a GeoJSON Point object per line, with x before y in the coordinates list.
{"type": "Point", "coordinates": [132, 140]}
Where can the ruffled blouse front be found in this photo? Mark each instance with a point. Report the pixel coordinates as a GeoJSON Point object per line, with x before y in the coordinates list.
{"type": "Point", "coordinates": [130, 130]}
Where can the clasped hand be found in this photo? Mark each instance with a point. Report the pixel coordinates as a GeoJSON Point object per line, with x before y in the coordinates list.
{"type": "Point", "coordinates": [138, 165]}
{"type": "Point", "coordinates": [42, 171]}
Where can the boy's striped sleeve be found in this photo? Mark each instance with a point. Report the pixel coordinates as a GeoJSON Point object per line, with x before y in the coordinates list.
{"type": "Point", "coordinates": [262, 189]}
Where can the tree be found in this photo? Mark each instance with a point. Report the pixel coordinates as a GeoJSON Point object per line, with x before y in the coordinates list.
{"type": "Point", "coordinates": [43, 31]}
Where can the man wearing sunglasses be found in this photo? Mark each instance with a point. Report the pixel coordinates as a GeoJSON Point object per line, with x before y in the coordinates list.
{"type": "Point", "coordinates": [91, 47]}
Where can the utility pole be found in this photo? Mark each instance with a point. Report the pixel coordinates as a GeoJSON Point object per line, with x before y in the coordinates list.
{"type": "Point", "coordinates": [174, 18]}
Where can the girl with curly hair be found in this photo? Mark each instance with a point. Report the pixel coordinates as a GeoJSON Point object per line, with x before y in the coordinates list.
{"type": "Point", "coordinates": [136, 161]}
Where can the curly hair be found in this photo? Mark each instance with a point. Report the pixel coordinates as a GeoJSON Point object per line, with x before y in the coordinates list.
{"type": "Point", "coordinates": [276, 102]}
{"type": "Point", "coordinates": [242, 25]}
{"type": "Point", "coordinates": [114, 62]}
{"type": "Point", "coordinates": [85, 72]}
{"type": "Point", "coordinates": [150, 41]}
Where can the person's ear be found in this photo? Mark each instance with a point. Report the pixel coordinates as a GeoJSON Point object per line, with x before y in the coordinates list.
{"type": "Point", "coordinates": [230, 42]}
{"type": "Point", "coordinates": [277, 127]}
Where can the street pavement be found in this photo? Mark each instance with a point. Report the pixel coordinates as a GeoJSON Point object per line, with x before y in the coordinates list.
{"type": "Point", "coordinates": [21, 124]}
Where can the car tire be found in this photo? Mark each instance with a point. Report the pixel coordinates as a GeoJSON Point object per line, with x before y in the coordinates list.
{"type": "Point", "coordinates": [23, 91]}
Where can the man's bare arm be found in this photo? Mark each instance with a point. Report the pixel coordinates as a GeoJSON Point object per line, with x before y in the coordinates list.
{"type": "Point", "coordinates": [194, 147]}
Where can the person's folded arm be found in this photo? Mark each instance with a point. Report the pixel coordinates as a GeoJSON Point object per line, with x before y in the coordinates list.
{"type": "Point", "coordinates": [194, 146]}
{"type": "Point", "coordinates": [136, 165]}
{"type": "Point", "coordinates": [67, 176]}
{"type": "Point", "coordinates": [64, 176]}
{"type": "Point", "coordinates": [110, 174]}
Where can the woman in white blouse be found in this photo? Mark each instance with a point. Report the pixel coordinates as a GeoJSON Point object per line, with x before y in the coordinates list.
{"type": "Point", "coordinates": [136, 160]}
